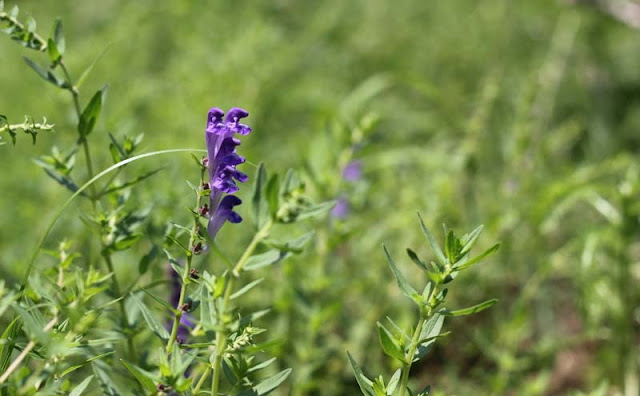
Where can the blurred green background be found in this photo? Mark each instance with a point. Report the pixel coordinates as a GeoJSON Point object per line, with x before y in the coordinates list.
{"type": "Point", "coordinates": [523, 116]}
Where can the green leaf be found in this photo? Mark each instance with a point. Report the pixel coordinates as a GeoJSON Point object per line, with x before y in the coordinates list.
{"type": "Point", "coordinates": [58, 36]}
{"type": "Point", "coordinates": [470, 310]}
{"type": "Point", "coordinates": [152, 322]}
{"type": "Point", "coordinates": [89, 68]}
{"type": "Point", "coordinates": [142, 377]}
{"type": "Point", "coordinates": [262, 365]}
{"type": "Point", "coordinates": [126, 241]}
{"type": "Point", "coordinates": [47, 75]}
{"type": "Point", "coordinates": [389, 345]}
{"type": "Point", "coordinates": [246, 288]}
{"type": "Point", "coordinates": [470, 239]}
{"type": "Point", "coordinates": [52, 50]}
{"type": "Point", "coordinates": [77, 391]}
{"type": "Point", "coordinates": [259, 204]}
{"type": "Point", "coordinates": [469, 263]}
{"type": "Point", "coordinates": [91, 113]}
{"type": "Point", "coordinates": [364, 382]}
{"type": "Point", "coordinates": [263, 260]}
{"type": "Point", "coordinates": [272, 192]}
{"type": "Point", "coordinates": [7, 343]}
{"type": "Point", "coordinates": [320, 209]}
{"type": "Point", "coordinates": [432, 242]}
{"type": "Point", "coordinates": [431, 329]}
{"type": "Point", "coordinates": [271, 383]}
{"type": "Point", "coordinates": [406, 289]}
{"type": "Point", "coordinates": [147, 259]}
{"type": "Point", "coordinates": [393, 382]}
{"type": "Point", "coordinates": [414, 257]}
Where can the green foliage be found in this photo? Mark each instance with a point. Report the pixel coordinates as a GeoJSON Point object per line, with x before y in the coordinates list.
{"type": "Point", "coordinates": [519, 115]}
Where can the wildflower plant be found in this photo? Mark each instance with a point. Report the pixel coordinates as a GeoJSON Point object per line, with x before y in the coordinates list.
{"type": "Point", "coordinates": [407, 348]}
{"type": "Point", "coordinates": [76, 323]}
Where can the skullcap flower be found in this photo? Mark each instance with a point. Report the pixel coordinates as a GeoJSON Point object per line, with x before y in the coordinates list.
{"type": "Point", "coordinates": [222, 160]}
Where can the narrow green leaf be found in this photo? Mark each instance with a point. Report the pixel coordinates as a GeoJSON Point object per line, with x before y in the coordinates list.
{"type": "Point", "coordinates": [265, 387]}
{"type": "Point", "coordinates": [262, 365]}
{"type": "Point", "coordinates": [406, 289]}
{"type": "Point", "coordinates": [125, 242]}
{"type": "Point", "coordinates": [469, 263]}
{"type": "Point", "coordinates": [364, 382]}
{"type": "Point", "coordinates": [147, 259]}
{"type": "Point", "coordinates": [432, 242]}
{"type": "Point", "coordinates": [389, 345]}
{"type": "Point", "coordinates": [152, 322]}
{"type": "Point", "coordinates": [77, 391]}
{"type": "Point", "coordinates": [58, 36]}
{"type": "Point", "coordinates": [272, 192]}
{"type": "Point", "coordinates": [470, 239]}
{"type": "Point", "coordinates": [414, 257]}
{"type": "Point", "coordinates": [246, 288]}
{"type": "Point", "coordinates": [160, 301]}
{"type": "Point", "coordinates": [393, 382]}
{"type": "Point", "coordinates": [470, 310]}
{"type": "Point", "coordinates": [89, 68]}
{"type": "Point", "coordinates": [263, 260]}
{"type": "Point", "coordinates": [91, 113]}
{"type": "Point", "coordinates": [52, 50]}
{"type": "Point", "coordinates": [320, 209]}
{"type": "Point", "coordinates": [142, 377]}
{"type": "Point", "coordinates": [8, 340]}
{"type": "Point", "coordinates": [259, 205]}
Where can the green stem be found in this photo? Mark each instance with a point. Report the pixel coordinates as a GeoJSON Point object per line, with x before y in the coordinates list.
{"type": "Point", "coordinates": [203, 378]}
{"type": "Point", "coordinates": [121, 303]}
{"type": "Point", "coordinates": [221, 337]}
{"type": "Point", "coordinates": [406, 367]}
{"type": "Point", "coordinates": [187, 272]}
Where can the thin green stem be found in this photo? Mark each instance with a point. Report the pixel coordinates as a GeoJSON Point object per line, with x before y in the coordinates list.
{"type": "Point", "coordinates": [221, 337]}
{"type": "Point", "coordinates": [406, 367]}
{"type": "Point", "coordinates": [187, 272]}
{"type": "Point", "coordinates": [259, 237]}
{"type": "Point", "coordinates": [201, 381]}
{"type": "Point", "coordinates": [121, 303]}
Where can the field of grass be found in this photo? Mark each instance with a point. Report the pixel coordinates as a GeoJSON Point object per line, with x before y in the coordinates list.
{"type": "Point", "coordinates": [523, 116]}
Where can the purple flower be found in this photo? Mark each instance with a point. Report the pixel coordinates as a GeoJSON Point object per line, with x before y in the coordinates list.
{"type": "Point", "coordinates": [353, 171]}
{"type": "Point", "coordinates": [341, 210]}
{"type": "Point", "coordinates": [222, 160]}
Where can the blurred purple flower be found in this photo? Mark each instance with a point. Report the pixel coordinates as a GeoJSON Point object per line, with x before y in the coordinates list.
{"type": "Point", "coordinates": [222, 160]}
{"type": "Point", "coordinates": [353, 171]}
{"type": "Point", "coordinates": [341, 209]}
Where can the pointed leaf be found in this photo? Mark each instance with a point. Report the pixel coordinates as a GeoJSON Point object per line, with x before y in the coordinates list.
{"type": "Point", "coordinates": [470, 310]}
{"type": "Point", "coordinates": [414, 257]}
{"type": "Point", "coordinates": [91, 113]}
{"type": "Point", "coordinates": [259, 204]}
{"type": "Point", "coordinates": [246, 288]}
{"type": "Point", "coordinates": [142, 377]}
{"type": "Point", "coordinates": [364, 382]}
{"type": "Point", "coordinates": [58, 36]}
{"type": "Point", "coordinates": [77, 391]}
{"type": "Point", "coordinates": [271, 383]}
{"type": "Point", "coordinates": [432, 242]}
{"type": "Point", "coordinates": [263, 260]}
{"type": "Point", "coordinates": [469, 263]}
{"type": "Point", "coordinates": [406, 289]}
{"type": "Point", "coordinates": [152, 322]}
{"type": "Point", "coordinates": [389, 345]}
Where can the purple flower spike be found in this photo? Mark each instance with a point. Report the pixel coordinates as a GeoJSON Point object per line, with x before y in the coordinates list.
{"type": "Point", "coordinates": [223, 213]}
{"type": "Point", "coordinates": [222, 160]}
